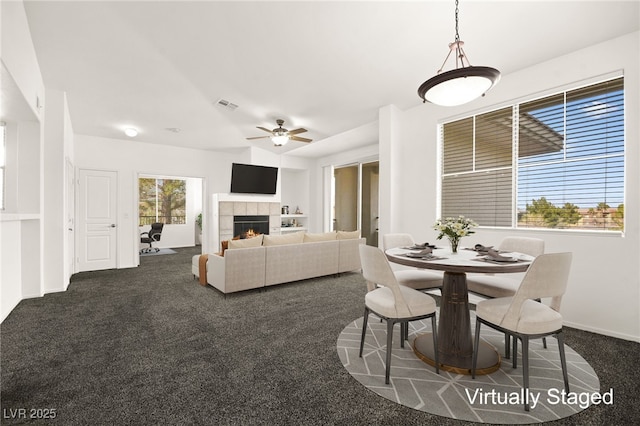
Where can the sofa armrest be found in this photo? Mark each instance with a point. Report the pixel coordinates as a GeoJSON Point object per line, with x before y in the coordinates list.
{"type": "Point", "coordinates": [239, 269]}
{"type": "Point", "coordinates": [349, 251]}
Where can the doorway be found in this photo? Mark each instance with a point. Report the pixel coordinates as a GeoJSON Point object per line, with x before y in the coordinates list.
{"type": "Point", "coordinates": [175, 201]}
{"type": "Point", "coordinates": [355, 199]}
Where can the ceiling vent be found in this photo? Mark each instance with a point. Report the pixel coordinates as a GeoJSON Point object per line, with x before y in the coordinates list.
{"type": "Point", "coordinates": [226, 104]}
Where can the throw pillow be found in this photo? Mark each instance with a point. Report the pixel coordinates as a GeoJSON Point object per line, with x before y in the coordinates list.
{"type": "Point", "coordinates": [278, 240]}
{"type": "Point", "coordinates": [325, 236]}
{"type": "Point", "coordinates": [348, 235]}
{"type": "Point", "coordinates": [246, 243]}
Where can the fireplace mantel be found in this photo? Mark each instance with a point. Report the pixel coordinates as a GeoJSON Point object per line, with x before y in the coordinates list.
{"type": "Point", "coordinates": [225, 206]}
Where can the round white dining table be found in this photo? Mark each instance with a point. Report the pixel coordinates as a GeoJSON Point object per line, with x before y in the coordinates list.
{"type": "Point", "coordinates": [455, 342]}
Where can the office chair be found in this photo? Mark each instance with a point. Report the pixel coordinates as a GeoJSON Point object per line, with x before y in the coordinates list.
{"type": "Point", "coordinates": [152, 236]}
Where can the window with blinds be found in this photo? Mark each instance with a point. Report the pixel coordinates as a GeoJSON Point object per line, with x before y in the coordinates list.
{"type": "Point", "coordinates": [555, 162]}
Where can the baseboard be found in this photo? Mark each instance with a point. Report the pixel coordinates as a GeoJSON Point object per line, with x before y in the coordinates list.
{"type": "Point", "coordinates": [603, 332]}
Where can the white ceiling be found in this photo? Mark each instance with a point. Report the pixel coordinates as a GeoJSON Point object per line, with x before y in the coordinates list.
{"type": "Point", "coordinates": [326, 66]}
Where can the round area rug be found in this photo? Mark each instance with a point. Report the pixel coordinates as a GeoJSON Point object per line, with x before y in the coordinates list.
{"type": "Point", "coordinates": [493, 398]}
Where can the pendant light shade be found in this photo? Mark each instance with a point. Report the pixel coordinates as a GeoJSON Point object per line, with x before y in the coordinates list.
{"type": "Point", "coordinates": [460, 85]}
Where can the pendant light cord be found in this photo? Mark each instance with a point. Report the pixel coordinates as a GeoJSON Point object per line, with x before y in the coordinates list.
{"type": "Point", "coordinates": [457, 35]}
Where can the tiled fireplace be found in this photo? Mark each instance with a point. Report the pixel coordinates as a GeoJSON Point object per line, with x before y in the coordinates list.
{"type": "Point", "coordinates": [226, 209]}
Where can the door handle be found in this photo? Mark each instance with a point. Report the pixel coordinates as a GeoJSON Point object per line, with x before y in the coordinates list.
{"type": "Point", "coordinates": [113, 225]}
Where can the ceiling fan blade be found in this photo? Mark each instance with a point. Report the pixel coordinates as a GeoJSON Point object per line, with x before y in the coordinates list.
{"type": "Point", "coordinates": [258, 137]}
{"type": "Point", "coordinates": [266, 130]}
{"type": "Point", "coordinates": [296, 131]}
{"type": "Point", "coordinates": [299, 139]}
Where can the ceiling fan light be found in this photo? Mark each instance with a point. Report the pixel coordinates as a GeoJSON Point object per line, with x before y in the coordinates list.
{"type": "Point", "coordinates": [279, 140]}
{"type": "Point", "coordinates": [459, 86]}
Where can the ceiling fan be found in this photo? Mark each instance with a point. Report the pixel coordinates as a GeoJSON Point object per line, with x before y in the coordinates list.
{"type": "Point", "coordinates": [280, 136]}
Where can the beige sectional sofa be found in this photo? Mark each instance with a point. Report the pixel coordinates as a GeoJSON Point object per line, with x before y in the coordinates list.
{"type": "Point", "coordinates": [277, 259]}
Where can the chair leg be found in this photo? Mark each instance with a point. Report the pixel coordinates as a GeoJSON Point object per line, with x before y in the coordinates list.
{"type": "Point", "coordinates": [563, 361]}
{"type": "Point", "coordinates": [507, 345]}
{"type": "Point", "coordinates": [404, 332]}
{"type": "Point", "coordinates": [544, 339]}
{"type": "Point", "coordinates": [364, 329]}
{"type": "Point", "coordinates": [525, 370]}
{"type": "Point", "coordinates": [387, 373]}
{"type": "Point", "coordinates": [435, 343]}
{"type": "Point", "coordinates": [476, 345]}
{"type": "Point", "coordinates": [514, 355]}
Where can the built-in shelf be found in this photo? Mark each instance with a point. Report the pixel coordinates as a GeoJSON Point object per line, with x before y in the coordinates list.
{"type": "Point", "coordinates": [293, 222]}
{"type": "Point", "coordinates": [14, 217]}
{"type": "Point", "coordinates": [285, 229]}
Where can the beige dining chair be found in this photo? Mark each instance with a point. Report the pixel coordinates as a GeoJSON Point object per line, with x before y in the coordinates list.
{"type": "Point", "coordinates": [524, 318]}
{"type": "Point", "coordinates": [504, 285]}
{"type": "Point", "coordinates": [392, 302]}
{"type": "Point", "coordinates": [418, 279]}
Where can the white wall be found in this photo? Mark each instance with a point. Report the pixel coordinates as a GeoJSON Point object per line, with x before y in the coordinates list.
{"type": "Point", "coordinates": [21, 241]}
{"type": "Point", "coordinates": [604, 288]}
{"type": "Point", "coordinates": [19, 55]}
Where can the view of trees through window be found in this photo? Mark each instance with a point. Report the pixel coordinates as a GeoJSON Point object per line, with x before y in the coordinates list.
{"type": "Point", "coordinates": [553, 162]}
{"type": "Point", "coordinates": [162, 200]}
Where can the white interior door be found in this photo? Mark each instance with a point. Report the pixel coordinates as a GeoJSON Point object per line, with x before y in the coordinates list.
{"type": "Point", "coordinates": [70, 195]}
{"type": "Point", "coordinates": [97, 220]}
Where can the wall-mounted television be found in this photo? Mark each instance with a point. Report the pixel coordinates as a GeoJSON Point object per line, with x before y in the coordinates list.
{"type": "Point", "coordinates": [252, 179]}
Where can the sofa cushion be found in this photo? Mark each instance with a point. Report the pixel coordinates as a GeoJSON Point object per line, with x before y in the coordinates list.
{"type": "Point", "coordinates": [314, 238]}
{"type": "Point", "coordinates": [348, 235]}
{"type": "Point", "coordinates": [279, 240]}
{"type": "Point", "coordinates": [246, 243]}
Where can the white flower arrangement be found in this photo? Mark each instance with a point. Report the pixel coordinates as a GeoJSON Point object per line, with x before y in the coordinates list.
{"type": "Point", "coordinates": [454, 229]}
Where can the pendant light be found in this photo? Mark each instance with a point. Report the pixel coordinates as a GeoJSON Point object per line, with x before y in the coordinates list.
{"type": "Point", "coordinates": [461, 85]}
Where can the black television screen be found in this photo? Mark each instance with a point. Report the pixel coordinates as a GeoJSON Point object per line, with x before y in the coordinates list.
{"type": "Point", "coordinates": [251, 179]}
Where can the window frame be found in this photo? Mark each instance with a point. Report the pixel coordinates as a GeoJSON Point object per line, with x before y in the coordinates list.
{"type": "Point", "coordinates": [185, 220]}
{"type": "Point", "coordinates": [516, 167]}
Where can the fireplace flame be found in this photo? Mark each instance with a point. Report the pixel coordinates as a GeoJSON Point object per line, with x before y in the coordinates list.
{"type": "Point", "coordinates": [249, 233]}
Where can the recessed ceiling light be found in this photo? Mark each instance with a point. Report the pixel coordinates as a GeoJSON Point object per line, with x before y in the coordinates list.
{"type": "Point", "coordinates": [131, 132]}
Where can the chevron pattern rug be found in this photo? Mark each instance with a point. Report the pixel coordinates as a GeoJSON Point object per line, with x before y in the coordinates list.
{"type": "Point", "coordinates": [493, 398]}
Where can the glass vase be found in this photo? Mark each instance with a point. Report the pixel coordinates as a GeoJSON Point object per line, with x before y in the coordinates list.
{"type": "Point", "coordinates": [454, 244]}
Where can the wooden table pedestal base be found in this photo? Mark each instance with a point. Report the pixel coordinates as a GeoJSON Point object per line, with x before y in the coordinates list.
{"type": "Point", "coordinates": [488, 357]}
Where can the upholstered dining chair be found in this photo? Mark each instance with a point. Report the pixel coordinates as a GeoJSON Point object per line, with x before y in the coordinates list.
{"type": "Point", "coordinates": [392, 302]}
{"type": "Point", "coordinates": [504, 285]}
{"type": "Point", "coordinates": [524, 318]}
{"type": "Point", "coordinates": [418, 279]}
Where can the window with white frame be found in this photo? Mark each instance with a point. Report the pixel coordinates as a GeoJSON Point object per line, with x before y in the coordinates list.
{"type": "Point", "coordinates": [162, 200]}
{"type": "Point", "coordinates": [553, 162]}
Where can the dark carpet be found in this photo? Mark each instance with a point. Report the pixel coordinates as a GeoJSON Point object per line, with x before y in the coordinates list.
{"type": "Point", "coordinates": [149, 345]}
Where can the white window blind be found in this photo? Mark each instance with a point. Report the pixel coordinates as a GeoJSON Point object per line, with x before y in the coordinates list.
{"type": "Point", "coordinates": [477, 168]}
{"type": "Point", "coordinates": [568, 163]}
